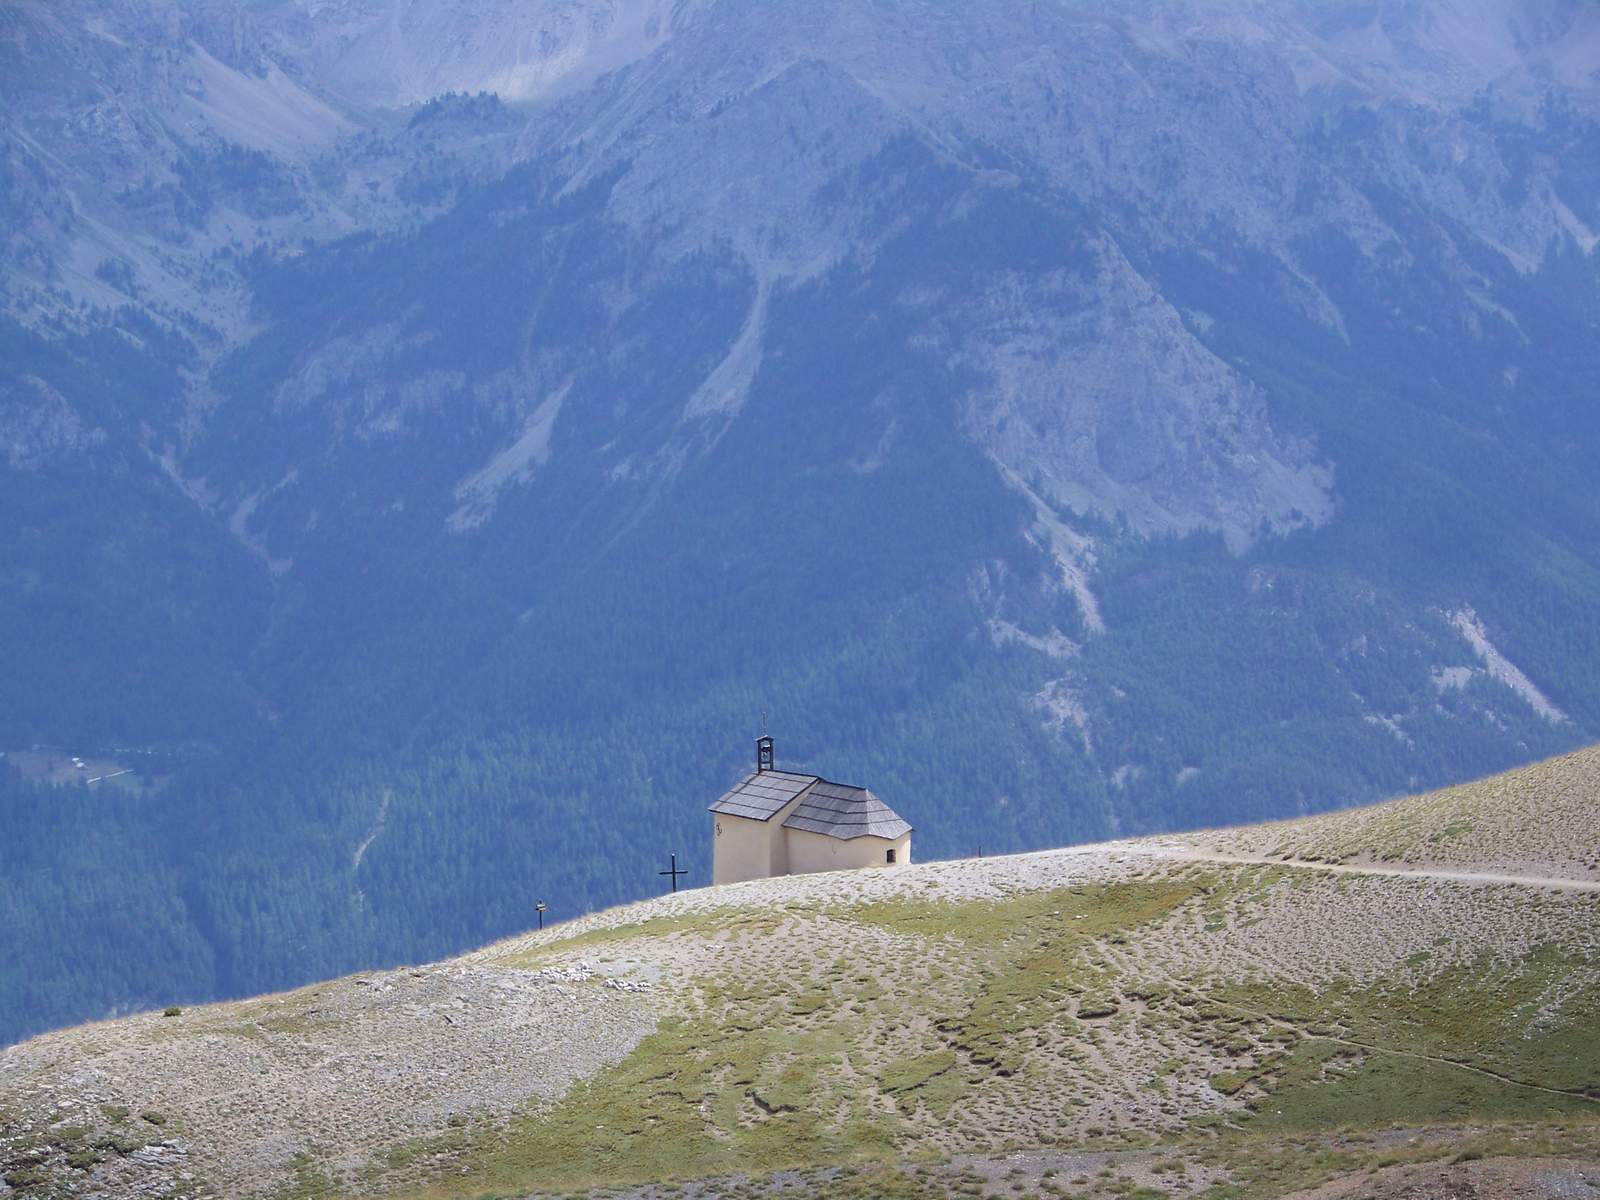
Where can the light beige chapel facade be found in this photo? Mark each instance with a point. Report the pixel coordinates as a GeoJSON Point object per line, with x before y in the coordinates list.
{"type": "Point", "coordinates": [779, 823]}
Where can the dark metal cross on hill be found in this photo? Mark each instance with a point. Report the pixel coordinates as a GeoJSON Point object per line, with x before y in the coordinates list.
{"type": "Point", "coordinates": [674, 872]}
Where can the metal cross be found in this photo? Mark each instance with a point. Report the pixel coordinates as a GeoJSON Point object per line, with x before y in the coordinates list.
{"type": "Point", "coordinates": [674, 872]}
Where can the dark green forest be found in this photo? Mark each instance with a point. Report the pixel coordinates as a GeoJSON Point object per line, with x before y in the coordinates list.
{"type": "Point", "coordinates": [390, 736]}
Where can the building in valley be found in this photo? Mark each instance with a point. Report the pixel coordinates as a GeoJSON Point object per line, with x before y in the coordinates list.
{"type": "Point", "coordinates": [779, 823]}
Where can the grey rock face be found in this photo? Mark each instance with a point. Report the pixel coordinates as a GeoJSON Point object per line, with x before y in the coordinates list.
{"type": "Point", "coordinates": [38, 426]}
{"type": "Point", "coordinates": [1173, 123]}
{"type": "Point", "coordinates": [1096, 388]}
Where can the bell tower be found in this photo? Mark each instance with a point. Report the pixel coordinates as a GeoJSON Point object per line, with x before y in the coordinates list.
{"type": "Point", "coordinates": [763, 754]}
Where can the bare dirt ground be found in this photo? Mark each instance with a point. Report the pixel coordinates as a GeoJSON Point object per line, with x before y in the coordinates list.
{"type": "Point", "coordinates": [1492, 1179]}
{"type": "Point", "coordinates": [1053, 1173]}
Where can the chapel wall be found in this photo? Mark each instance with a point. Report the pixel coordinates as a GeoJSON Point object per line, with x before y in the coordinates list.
{"type": "Point", "coordinates": [740, 849]}
{"type": "Point", "coordinates": [808, 852]}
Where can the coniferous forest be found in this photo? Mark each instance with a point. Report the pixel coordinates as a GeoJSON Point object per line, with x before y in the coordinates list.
{"type": "Point", "coordinates": [431, 523]}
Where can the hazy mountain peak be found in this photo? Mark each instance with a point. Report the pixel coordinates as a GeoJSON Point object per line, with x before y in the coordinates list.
{"type": "Point", "coordinates": [390, 53]}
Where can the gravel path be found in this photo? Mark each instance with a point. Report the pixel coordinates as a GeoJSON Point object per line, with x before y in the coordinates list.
{"type": "Point", "coordinates": [1485, 878]}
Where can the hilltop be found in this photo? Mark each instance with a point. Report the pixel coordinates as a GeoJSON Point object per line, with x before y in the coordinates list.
{"type": "Point", "coordinates": [1140, 1018]}
{"type": "Point", "coordinates": [1540, 821]}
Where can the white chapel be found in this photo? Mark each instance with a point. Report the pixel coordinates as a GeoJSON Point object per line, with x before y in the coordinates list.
{"type": "Point", "coordinates": [778, 823]}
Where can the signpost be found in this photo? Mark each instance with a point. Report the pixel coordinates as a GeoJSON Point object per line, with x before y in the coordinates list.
{"type": "Point", "coordinates": [539, 908]}
{"type": "Point", "coordinates": [674, 872]}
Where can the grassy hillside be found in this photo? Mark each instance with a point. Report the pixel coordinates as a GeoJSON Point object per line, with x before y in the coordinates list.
{"type": "Point", "coordinates": [1136, 1019]}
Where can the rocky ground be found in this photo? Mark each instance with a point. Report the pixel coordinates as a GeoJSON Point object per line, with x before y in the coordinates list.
{"type": "Point", "coordinates": [1177, 1017]}
{"type": "Point", "coordinates": [337, 1072]}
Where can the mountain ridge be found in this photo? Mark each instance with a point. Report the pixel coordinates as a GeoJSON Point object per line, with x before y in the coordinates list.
{"type": "Point", "coordinates": [1070, 422]}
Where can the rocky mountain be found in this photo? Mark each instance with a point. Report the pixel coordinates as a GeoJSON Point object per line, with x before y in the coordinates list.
{"type": "Point", "coordinates": [441, 429]}
{"type": "Point", "coordinates": [1388, 1002]}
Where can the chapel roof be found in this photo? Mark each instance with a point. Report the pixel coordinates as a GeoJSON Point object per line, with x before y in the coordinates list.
{"type": "Point", "coordinates": [761, 794]}
{"type": "Point", "coordinates": [846, 812]}
{"type": "Point", "coordinates": [833, 809]}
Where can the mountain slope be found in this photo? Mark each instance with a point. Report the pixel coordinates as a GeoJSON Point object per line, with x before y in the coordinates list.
{"type": "Point", "coordinates": [442, 430]}
{"type": "Point", "coordinates": [1124, 1012]}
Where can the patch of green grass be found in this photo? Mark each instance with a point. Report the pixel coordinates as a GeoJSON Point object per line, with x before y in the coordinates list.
{"type": "Point", "coordinates": [84, 1158]}
{"type": "Point", "coordinates": [118, 1143]}
{"type": "Point", "coordinates": [808, 1002]}
{"type": "Point", "coordinates": [1321, 1085]}
{"type": "Point", "coordinates": [695, 1099]}
{"type": "Point", "coordinates": [310, 1180]}
{"type": "Point", "coordinates": [759, 1083]}
{"type": "Point", "coordinates": [28, 1179]}
{"type": "Point", "coordinates": [1491, 1015]}
{"type": "Point", "coordinates": [934, 1079]}
{"type": "Point", "coordinates": [871, 1183]}
{"type": "Point", "coordinates": [1097, 1006]}
{"type": "Point", "coordinates": [1230, 1082]}
{"type": "Point", "coordinates": [452, 1141]}
{"type": "Point", "coordinates": [1036, 941]}
{"type": "Point", "coordinates": [1093, 910]}
{"type": "Point", "coordinates": [904, 1075]}
{"type": "Point", "coordinates": [1397, 1054]}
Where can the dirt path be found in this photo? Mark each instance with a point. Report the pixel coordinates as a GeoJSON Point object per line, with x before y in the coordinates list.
{"type": "Point", "coordinates": [1478, 878]}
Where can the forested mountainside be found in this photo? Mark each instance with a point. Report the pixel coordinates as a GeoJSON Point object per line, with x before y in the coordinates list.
{"type": "Point", "coordinates": [437, 431]}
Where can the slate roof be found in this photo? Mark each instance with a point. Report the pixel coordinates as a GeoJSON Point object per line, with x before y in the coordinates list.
{"type": "Point", "coordinates": [760, 795]}
{"type": "Point", "coordinates": [845, 812]}
{"type": "Point", "coordinates": [834, 809]}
